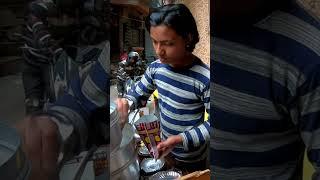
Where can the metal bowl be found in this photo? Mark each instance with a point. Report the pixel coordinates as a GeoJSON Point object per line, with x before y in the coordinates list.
{"type": "Point", "coordinates": [143, 151]}
{"type": "Point", "coordinates": [150, 165]}
{"type": "Point", "coordinates": [13, 162]}
{"type": "Point", "coordinates": [168, 175]}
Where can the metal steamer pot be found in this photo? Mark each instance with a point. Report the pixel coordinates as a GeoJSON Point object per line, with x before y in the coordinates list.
{"type": "Point", "coordinates": [13, 162]}
{"type": "Point", "coordinates": [115, 130]}
{"type": "Point", "coordinates": [124, 162]}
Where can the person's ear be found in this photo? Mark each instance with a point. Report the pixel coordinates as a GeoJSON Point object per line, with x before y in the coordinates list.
{"type": "Point", "coordinates": [189, 38]}
{"type": "Point", "coordinates": [188, 41]}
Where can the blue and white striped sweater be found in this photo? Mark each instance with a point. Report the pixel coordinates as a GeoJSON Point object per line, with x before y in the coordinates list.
{"type": "Point", "coordinates": [266, 97]}
{"type": "Point", "coordinates": [74, 108]}
{"type": "Point", "coordinates": [183, 97]}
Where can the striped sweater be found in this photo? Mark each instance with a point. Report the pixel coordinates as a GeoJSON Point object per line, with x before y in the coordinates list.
{"type": "Point", "coordinates": [86, 94]}
{"type": "Point", "coordinates": [266, 90]}
{"type": "Point", "coordinates": [39, 47]}
{"type": "Point", "coordinates": [183, 97]}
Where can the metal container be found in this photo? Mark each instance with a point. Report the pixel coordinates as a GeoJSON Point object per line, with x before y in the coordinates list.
{"type": "Point", "coordinates": [115, 130]}
{"type": "Point", "coordinates": [13, 162]}
{"type": "Point", "coordinates": [150, 165]}
{"type": "Point", "coordinates": [143, 151]}
{"type": "Point", "coordinates": [124, 160]}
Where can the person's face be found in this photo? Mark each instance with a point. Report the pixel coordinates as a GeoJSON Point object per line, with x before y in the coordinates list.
{"type": "Point", "coordinates": [168, 45]}
{"type": "Point", "coordinates": [165, 2]}
{"type": "Point", "coordinates": [133, 59]}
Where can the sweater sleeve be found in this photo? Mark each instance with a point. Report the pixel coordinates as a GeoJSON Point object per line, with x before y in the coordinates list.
{"type": "Point", "coordinates": [200, 134]}
{"type": "Point", "coordinates": [140, 93]}
{"type": "Point", "coordinates": [37, 25]}
{"type": "Point", "coordinates": [306, 115]}
{"type": "Point", "coordinates": [83, 98]}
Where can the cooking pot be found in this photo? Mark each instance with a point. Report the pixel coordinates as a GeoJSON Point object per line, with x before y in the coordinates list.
{"type": "Point", "coordinates": [124, 162]}
{"type": "Point", "coordinates": [13, 162]}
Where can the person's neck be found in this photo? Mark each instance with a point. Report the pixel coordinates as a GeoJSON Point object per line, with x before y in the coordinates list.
{"type": "Point", "coordinates": [188, 60]}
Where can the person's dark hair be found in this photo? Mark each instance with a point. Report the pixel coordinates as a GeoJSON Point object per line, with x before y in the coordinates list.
{"type": "Point", "coordinates": [179, 18]}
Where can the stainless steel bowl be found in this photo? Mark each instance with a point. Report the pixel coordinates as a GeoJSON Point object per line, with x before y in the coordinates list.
{"type": "Point", "coordinates": [143, 151]}
{"type": "Point", "coordinates": [168, 175]}
{"type": "Point", "coordinates": [13, 163]}
{"type": "Point", "coordinates": [150, 165]}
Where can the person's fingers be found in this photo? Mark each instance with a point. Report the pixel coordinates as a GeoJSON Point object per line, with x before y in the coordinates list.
{"type": "Point", "coordinates": [166, 151]}
{"type": "Point", "coordinates": [123, 111]}
{"type": "Point", "coordinates": [118, 101]}
{"type": "Point", "coordinates": [120, 109]}
{"type": "Point", "coordinates": [165, 147]}
{"type": "Point", "coordinates": [120, 106]}
{"type": "Point", "coordinates": [33, 146]}
{"type": "Point", "coordinates": [50, 146]}
{"type": "Point", "coordinates": [20, 127]}
{"type": "Point", "coordinates": [166, 143]}
{"type": "Point", "coordinates": [125, 106]}
{"type": "Point", "coordinates": [161, 145]}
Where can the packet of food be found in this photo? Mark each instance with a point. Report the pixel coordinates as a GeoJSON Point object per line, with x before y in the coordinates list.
{"type": "Point", "coordinates": [148, 127]}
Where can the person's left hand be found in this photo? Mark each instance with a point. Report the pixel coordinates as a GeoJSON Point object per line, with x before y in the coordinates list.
{"type": "Point", "coordinates": [165, 147]}
{"type": "Point", "coordinates": [123, 108]}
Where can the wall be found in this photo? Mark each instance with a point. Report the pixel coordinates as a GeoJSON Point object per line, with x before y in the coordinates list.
{"type": "Point", "coordinates": [313, 6]}
{"type": "Point", "coordinates": [200, 11]}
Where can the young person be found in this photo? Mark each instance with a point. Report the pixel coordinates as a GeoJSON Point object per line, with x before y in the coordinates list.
{"type": "Point", "coordinates": [182, 81]}
{"type": "Point", "coordinates": [68, 125]}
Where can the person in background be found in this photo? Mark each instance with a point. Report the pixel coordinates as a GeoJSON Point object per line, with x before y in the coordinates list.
{"type": "Point", "coordinates": [182, 81]}
{"type": "Point", "coordinates": [66, 126]}
{"type": "Point", "coordinates": [39, 51]}
{"type": "Point", "coordinates": [52, 27]}
{"type": "Point", "coordinates": [166, 2]}
{"type": "Point", "coordinates": [266, 90]}
{"type": "Point", "coordinates": [132, 67]}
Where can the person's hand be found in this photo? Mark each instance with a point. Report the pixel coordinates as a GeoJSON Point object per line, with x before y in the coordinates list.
{"type": "Point", "coordinates": [123, 107]}
{"type": "Point", "coordinates": [40, 144]}
{"type": "Point", "coordinates": [165, 147]}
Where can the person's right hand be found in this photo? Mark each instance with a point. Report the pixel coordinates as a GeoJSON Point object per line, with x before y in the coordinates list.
{"type": "Point", "coordinates": [41, 145]}
{"type": "Point", "coordinates": [123, 108]}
